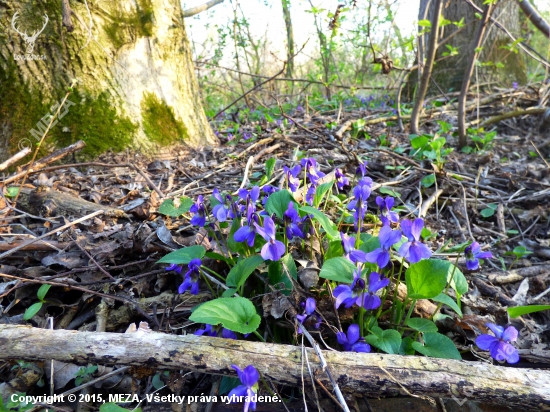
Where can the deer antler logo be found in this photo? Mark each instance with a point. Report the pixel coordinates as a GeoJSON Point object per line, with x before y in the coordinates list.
{"type": "Point", "coordinates": [32, 38]}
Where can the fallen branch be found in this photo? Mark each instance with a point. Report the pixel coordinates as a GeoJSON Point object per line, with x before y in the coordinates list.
{"type": "Point", "coordinates": [517, 275]}
{"type": "Point", "coordinates": [367, 374]}
{"type": "Point", "coordinates": [51, 232]}
{"type": "Point", "coordinates": [39, 164]}
{"type": "Point", "coordinates": [507, 115]}
{"type": "Point", "coordinates": [16, 157]}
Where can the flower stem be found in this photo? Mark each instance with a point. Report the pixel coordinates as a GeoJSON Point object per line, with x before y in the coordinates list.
{"type": "Point", "coordinates": [447, 289]}
{"type": "Point", "coordinates": [361, 316]}
{"type": "Point", "coordinates": [409, 313]}
{"type": "Point", "coordinates": [259, 336]}
{"type": "Point", "coordinates": [396, 290]}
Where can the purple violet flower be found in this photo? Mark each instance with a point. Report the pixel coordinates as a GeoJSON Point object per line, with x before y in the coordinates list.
{"type": "Point", "coordinates": [386, 215]}
{"type": "Point", "coordinates": [228, 334]}
{"type": "Point", "coordinates": [293, 222]}
{"type": "Point", "coordinates": [249, 198]}
{"type": "Point", "coordinates": [309, 309]}
{"type": "Point", "coordinates": [268, 190]}
{"type": "Point", "coordinates": [310, 194]}
{"type": "Point", "coordinates": [311, 170]}
{"type": "Point", "coordinates": [498, 345]}
{"type": "Point", "coordinates": [213, 331]}
{"type": "Point", "coordinates": [292, 177]}
{"type": "Point", "coordinates": [221, 212]}
{"type": "Point", "coordinates": [473, 253]}
{"type": "Point", "coordinates": [175, 267]}
{"type": "Point", "coordinates": [413, 250]}
{"type": "Point", "coordinates": [353, 342]}
{"type": "Point", "coordinates": [365, 181]}
{"type": "Point", "coordinates": [376, 282]}
{"type": "Point", "coordinates": [199, 218]}
{"type": "Point", "coordinates": [361, 170]}
{"type": "Point", "coordinates": [355, 255]}
{"type": "Point", "coordinates": [274, 249]}
{"type": "Point", "coordinates": [309, 313]}
{"type": "Point", "coordinates": [208, 331]}
{"type": "Point", "coordinates": [388, 238]}
{"type": "Point", "coordinates": [247, 233]}
{"type": "Point", "coordinates": [247, 135]}
{"type": "Point", "coordinates": [249, 378]}
{"type": "Point", "coordinates": [359, 204]}
{"type": "Point", "coordinates": [351, 294]}
{"type": "Point", "coordinates": [191, 280]}
{"type": "Point", "coordinates": [514, 85]}
{"type": "Point", "coordinates": [341, 179]}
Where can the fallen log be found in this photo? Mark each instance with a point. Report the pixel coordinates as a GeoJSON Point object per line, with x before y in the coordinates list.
{"type": "Point", "coordinates": [372, 375]}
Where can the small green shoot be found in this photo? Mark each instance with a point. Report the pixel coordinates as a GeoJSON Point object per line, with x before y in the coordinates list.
{"type": "Point", "coordinates": [34, 308]}
{"type": "Point", "coordinates": [11, 192]}
{"type": "Point", "coordinates": [518, 252]}
{"type": "Point", "coordinates": [489, 210]}
{"type": "Point", "coordinates": [84, 374]}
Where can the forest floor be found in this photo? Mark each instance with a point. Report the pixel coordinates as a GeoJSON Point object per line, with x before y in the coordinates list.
{"type": "Point", "coordinates": [496, 195]}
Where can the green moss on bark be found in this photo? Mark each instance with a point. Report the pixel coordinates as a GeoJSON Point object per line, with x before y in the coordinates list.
{"type": "Point", "coordinates": [159, 122]}
{"type": "Point", "coordinates": [20, 109]}
{"type": "Point", "coordinates": [95, 120]}
{"type": "Point", "coordinates": [126, 27]}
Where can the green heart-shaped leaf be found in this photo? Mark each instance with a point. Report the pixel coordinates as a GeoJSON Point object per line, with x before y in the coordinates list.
{"type": "Point", "coordinates": [237, 314]}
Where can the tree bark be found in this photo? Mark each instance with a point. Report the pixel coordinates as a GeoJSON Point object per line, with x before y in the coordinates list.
{"type": "Point", "coordinates": [449, 72]}
{"type": "Point", "coordinates": [132, 60]}
{"type": "Point", "coordinates": [428, 67]}
{"type": "Point", "coordinates": [289, 39]}
{"type": "Point", "coordinates": [462, 139]}
{"type": "Point", "coordinates": [368, 374]}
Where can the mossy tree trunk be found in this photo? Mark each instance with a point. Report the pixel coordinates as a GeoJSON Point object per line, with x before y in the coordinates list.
{"type": "Point", "coordinates": [132, 62]}
{"type": "Point", "coordinates": [497, 62]}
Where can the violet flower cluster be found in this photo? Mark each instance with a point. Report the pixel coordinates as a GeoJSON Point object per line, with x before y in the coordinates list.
{"type": "Point", "coordinates": [403, 238]}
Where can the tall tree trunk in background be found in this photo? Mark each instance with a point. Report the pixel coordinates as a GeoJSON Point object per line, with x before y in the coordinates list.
{"type": "Point", "coordinates": [132, 62]}
{"type": "Point", "coordinates": [499, 63]}
{"type": "Point", "coordinates": [289, 38]}
{"type": "Point", "coordinates": [427, 67]}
